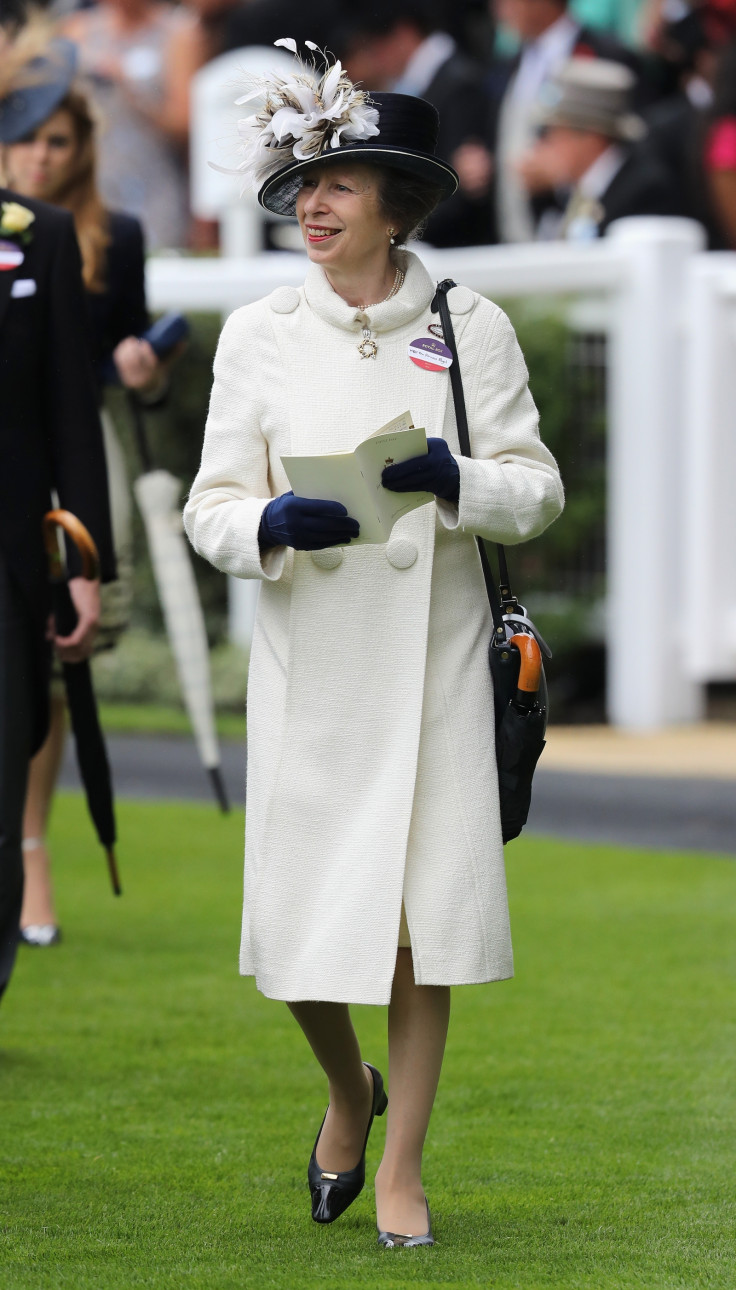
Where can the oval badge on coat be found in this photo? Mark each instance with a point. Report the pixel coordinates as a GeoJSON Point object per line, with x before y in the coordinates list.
{"type": "Point", "coordinates": [11, 255]}
{"type": "Point", "coordinates": [430, 353]}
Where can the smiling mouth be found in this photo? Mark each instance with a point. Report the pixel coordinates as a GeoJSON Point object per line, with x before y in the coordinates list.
{"type": "Point", "coordinates": [322, 234]}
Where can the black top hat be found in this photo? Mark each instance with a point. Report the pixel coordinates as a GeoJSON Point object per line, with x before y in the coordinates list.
{"type": "Point", "coordinates": [406, 141]}
{"type": "Point", "coordinates": [46, 81]}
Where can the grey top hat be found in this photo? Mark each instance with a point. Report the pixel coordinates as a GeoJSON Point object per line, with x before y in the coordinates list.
{"type": "Point", "coordinates": [593, 94]}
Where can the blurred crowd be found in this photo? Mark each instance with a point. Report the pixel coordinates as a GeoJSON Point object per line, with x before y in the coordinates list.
{"type": "Point", "coordinates": [558, 115]}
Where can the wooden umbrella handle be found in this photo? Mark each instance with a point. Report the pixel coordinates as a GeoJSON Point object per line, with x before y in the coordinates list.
{"type": "Point", "coordinates": [80, 536]}
{"type": "Point", "coordinates": [530, 671]}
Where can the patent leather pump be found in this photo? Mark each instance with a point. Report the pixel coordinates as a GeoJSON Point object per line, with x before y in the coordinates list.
{"type": "Point", "coordinates": [331, 1192]}
{"type": "Point", "coordinates": [395, 1240]}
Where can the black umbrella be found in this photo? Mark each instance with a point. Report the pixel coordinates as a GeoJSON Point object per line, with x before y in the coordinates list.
{"type": "Point", "coordinates": [521, 723]}
{"type": "Point", "coordinates": [94, 766]}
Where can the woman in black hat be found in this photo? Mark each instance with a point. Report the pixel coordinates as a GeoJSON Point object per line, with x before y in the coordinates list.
{"type": "Point", "coordinates": [374, 863]}
{"type": "Point", "coordinates": [48, 152]}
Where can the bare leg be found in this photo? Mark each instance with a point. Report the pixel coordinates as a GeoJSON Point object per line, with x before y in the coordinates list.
{"type": "Point", "coordinates": [418, 1018]}
{"type": "Point", "coordinates": [333, 1041]}
{"type": "Point", "coordinates": [38, 896]}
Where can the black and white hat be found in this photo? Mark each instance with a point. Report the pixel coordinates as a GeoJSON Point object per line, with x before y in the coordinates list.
{"type": "Point", "coordinates": [406, 141]}
{"type": "Point", "coordinates": [307, 119]}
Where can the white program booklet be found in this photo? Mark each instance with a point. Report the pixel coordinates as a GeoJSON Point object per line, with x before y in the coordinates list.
{"type": "Point", "coordinates": [354, 478]}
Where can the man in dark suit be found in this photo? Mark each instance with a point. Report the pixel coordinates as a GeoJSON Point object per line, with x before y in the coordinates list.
{"type": "Point", "coordinates": [261, 22]}
{"type": "Point", "coordinates": [400, 46]}
{"type": "Point", "coordinates": [589, 150]}
{"type": "Point", "coordinates": [549, 36]}
{"type": "Point", "coordinates": [50, 439]}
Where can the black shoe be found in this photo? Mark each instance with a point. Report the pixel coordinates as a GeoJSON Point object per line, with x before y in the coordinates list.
{"type": "Point", "coordinates": [395, 1240]}
{"type": "Point", "coordinates": [332, 1193]}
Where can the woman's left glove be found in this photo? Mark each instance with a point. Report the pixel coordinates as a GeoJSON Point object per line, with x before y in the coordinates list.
{"type": "Point", "coordinates": [436, 473]}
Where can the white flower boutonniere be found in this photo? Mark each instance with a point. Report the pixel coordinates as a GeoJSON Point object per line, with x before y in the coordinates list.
{"type": "Point", "coordinates": [15, 221]}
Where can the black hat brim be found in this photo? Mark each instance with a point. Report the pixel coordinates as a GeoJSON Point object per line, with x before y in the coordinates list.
{"type": "Point", "coordinates": [278, 194]}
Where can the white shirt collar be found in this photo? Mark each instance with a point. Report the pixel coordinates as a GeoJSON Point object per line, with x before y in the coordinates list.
{"type": "Point", "coordinates": [542, 57]}
{"type": "Point", "coordinates": [558, 39]}
{"type": "Point", "coordinates": [600, 175]}
{"type": "Point", "coordinates": [424, 64]}
{"type": "Point", "coordinates": [699, 92]}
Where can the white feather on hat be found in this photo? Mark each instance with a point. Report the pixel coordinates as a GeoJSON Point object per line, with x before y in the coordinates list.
{"type": "Point", "coordinates": [300, 116]}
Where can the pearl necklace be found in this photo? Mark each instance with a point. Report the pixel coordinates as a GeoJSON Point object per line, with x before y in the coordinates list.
{"type": "Point", "coordinates": [368, 347]}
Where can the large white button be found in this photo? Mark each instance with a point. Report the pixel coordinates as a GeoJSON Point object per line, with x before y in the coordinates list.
{"type": "Point", "coordinates": [284, 300]}
{"type": "Point", "coordinates": [460, 300]}
{"type": "Point", "coordinates": [401, 553]}
{"type": "Point", "coordinates": [329, 558]}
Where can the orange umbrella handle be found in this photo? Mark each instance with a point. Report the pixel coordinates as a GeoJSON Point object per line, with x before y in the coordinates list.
{"type": "Point", "coordinates": [80, 536]}
{"type": "Point", "coordinates": [530, 672]}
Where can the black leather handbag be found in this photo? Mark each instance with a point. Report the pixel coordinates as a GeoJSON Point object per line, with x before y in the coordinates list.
{"type": "Point", "coordinates": [516, 647]}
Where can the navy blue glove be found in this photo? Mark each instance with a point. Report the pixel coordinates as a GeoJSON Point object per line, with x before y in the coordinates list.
{"type": "Point", "coordinates": [305, 524]}
{"type": "Point", "coordinates": [436, 473]}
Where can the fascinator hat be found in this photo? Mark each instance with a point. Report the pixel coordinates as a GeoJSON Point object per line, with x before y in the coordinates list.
{"type": "Point", "coordinates": [31, 88]}
{"type": "Point", "coordinates": [311, 118]}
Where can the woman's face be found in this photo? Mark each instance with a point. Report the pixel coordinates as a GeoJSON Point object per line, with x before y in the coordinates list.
{"type": "Point", "coordinates": [39, 165]}
{"type": "Point", "coordinates": [340, 216]}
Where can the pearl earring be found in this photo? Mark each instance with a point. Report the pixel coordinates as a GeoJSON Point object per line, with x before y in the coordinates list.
{"type": "Point", "coordinates": [391, 232]}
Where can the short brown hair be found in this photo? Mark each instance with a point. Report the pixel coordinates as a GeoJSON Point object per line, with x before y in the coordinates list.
{"type": "Point", "coordinates": [407, 201]}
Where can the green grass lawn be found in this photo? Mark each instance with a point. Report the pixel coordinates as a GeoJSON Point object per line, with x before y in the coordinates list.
{"type": "Point", "coordinates": [160, 719]}
{"type": "Point", "coordinates": [157, 1114]}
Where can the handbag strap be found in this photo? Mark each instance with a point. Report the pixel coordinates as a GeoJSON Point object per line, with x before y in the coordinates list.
{"type": "Point", "coordinates": [498, 603]}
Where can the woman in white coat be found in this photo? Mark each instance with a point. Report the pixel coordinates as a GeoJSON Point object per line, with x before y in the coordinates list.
{"type": "Point", "coordinates": [374, 862]}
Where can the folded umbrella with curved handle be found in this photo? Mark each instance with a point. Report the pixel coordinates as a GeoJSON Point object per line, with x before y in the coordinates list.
{"type": "Point", "coordinates": [521, 724]}
{"type": "Point", "coordinates": [158, 494]}
{"type": "Point", "coordinates": [530, 669]}
{"type": "Point", "coordinates": [92, 759]}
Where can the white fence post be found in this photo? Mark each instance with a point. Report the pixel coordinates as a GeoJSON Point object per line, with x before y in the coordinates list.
{"type": "Point", "coordinates": [648, 684]}
{"type": "Point", "coordinates": [709, 462]}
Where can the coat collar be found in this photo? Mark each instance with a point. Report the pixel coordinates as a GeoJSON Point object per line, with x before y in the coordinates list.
{"type": "Point", "coordinates": [408, 303]}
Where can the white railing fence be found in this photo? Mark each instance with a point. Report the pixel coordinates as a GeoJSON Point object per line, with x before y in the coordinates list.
{"type": "Point", "coordinates": [671, 433]}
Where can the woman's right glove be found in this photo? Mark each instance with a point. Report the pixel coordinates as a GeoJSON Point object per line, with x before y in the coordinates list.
{"type": "Point", "coordinates": [305, 523]}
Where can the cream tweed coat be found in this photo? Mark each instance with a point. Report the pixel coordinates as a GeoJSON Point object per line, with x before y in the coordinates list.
{"type": "Point", "coordinates": [371, 769]}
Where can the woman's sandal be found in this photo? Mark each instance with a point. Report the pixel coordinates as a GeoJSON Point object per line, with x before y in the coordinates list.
{"type": "Point", "coordinates": [332, 1193]}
